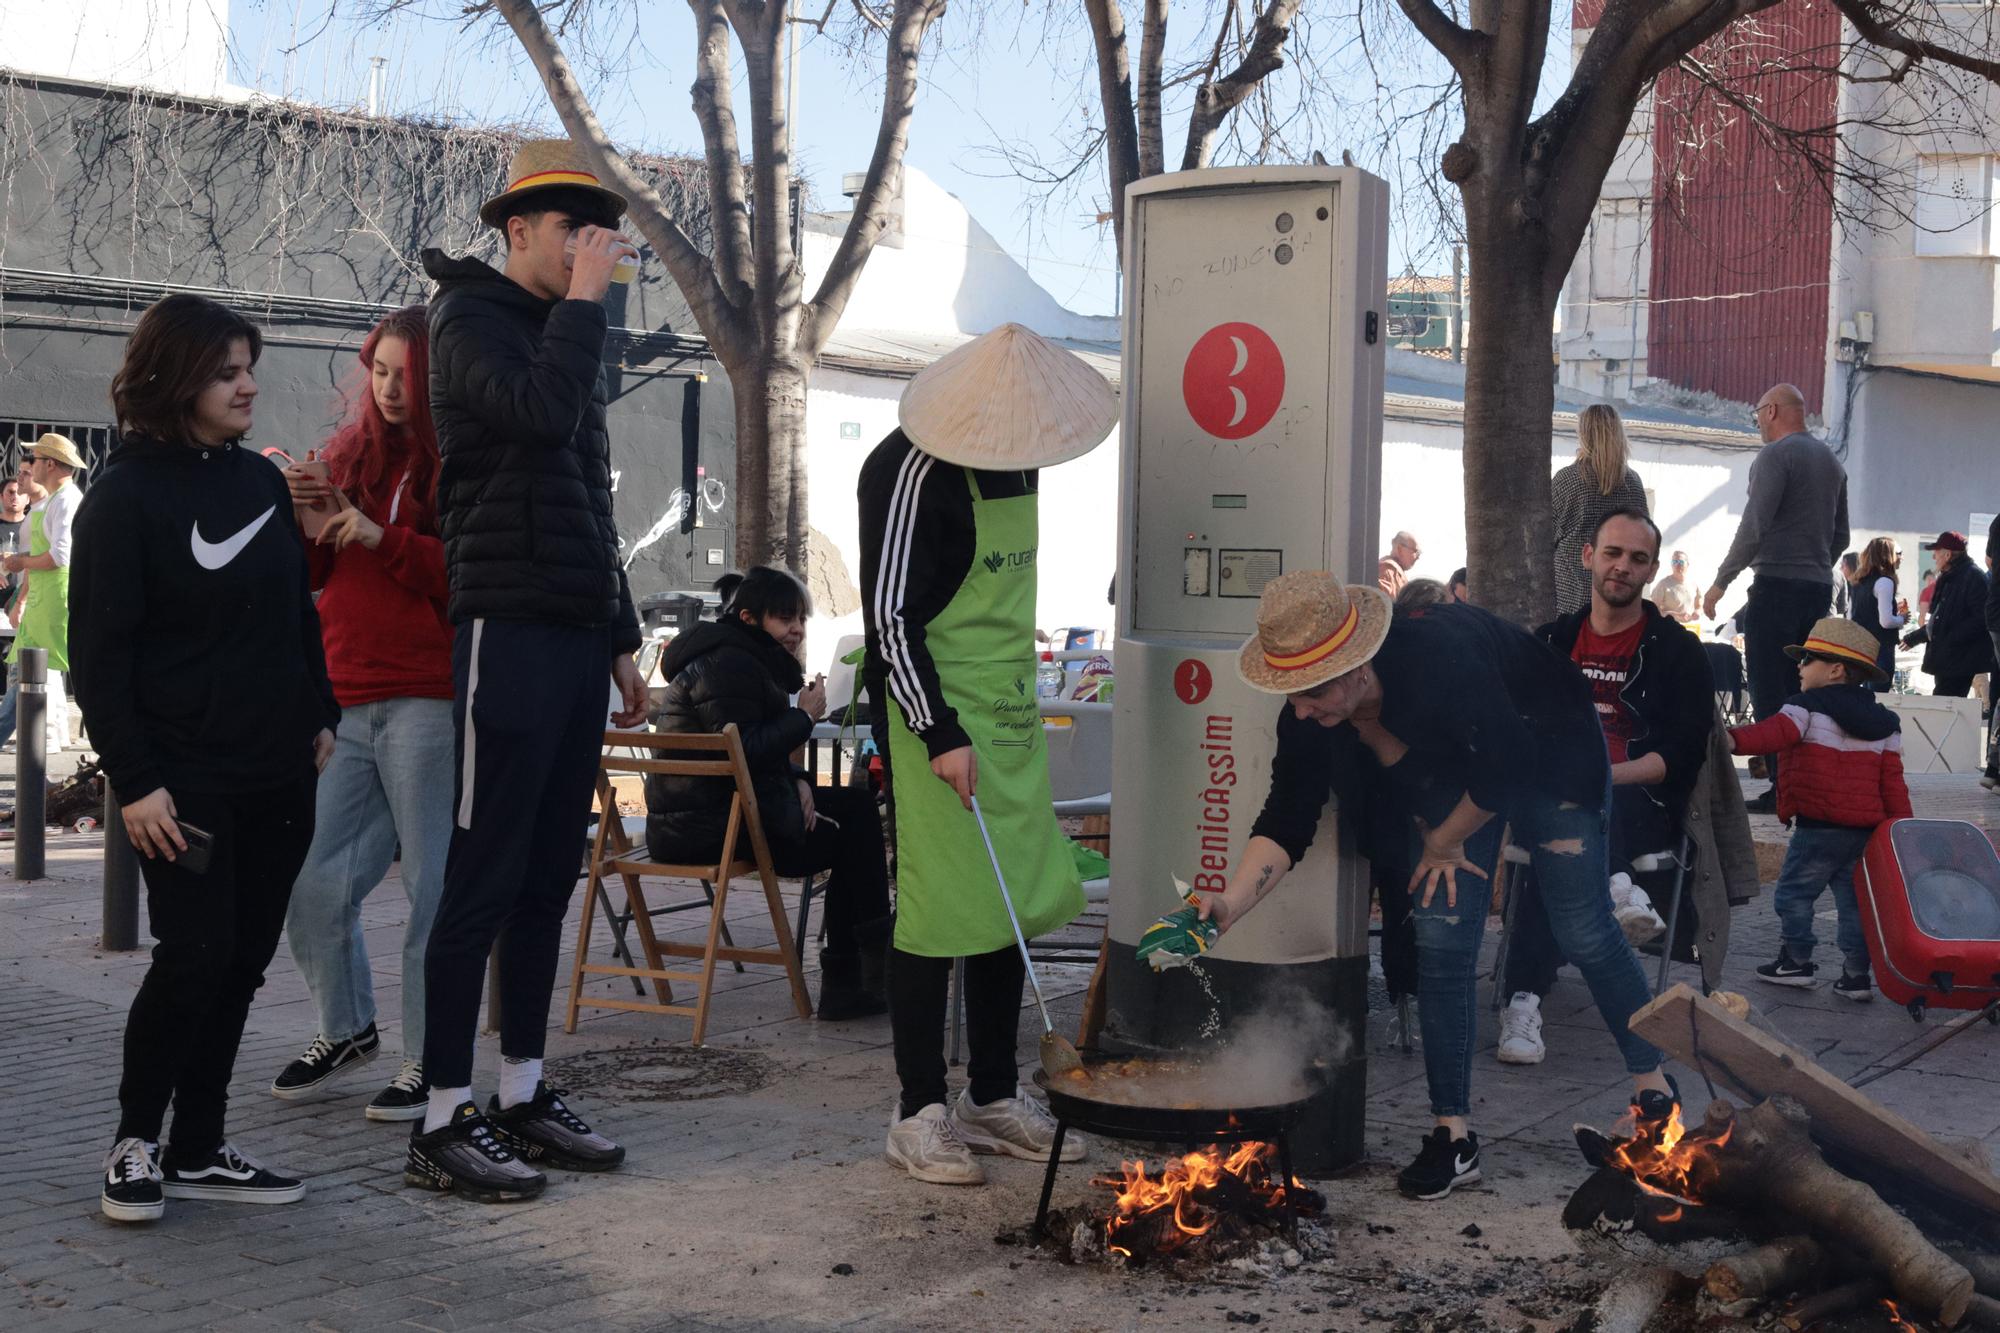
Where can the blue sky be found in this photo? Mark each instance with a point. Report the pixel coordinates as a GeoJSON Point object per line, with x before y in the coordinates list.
{"type": "Point", "coordinates": [1007, 82]}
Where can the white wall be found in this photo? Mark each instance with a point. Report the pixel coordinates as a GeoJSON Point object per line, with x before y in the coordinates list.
{"type": "Point", "coordinates": [178, 47]}
{"type": "Point", "coordinates": [948, 275]}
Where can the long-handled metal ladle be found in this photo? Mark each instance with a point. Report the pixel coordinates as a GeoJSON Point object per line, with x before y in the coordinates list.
{"type": "Point", "coordinates": [1059, 1057]}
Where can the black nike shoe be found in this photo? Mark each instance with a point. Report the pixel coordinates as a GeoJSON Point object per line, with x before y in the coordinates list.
{"type": "Point", "coordinates": [1854, 986]}
{"type": "Point", "coordinates": [228, 1176]}
{"type": "Point", "coordinates": [323, 1062]}
{"type": "Point", "coordinates": [1654, 1105]}
{"type": "Point", "coordinates": [1442, 1165]}
{"type": "Point", "coordinates": [465, 1156]}
{"type": "Point", "coordinates": [132, 1190]}
{"type": "Point", "coordinates": [544, 1130]}
{"type": "Point", "coordinates": [1785, 972]}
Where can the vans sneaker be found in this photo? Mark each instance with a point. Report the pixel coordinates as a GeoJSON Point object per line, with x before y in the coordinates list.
{"type": "Point", "coordinates": [1521, 1030]}
{"type": "Point", "coordinates": [1785, 972]}
{"type": "Point", "coordinates": [1855, 986]}
{"type": "Point", "coordinates": [543, 1130]}
{"type": "Point", "coordinates": [406, 1098]}
{"type": "Point", "coordinates": [927, 1145]}
{"type": "Point", "coordinates": [464, 1156]}
{"type": "Point", "coordinates": [1018, 1126]}
{"type": "Point", "coordinates": [1443, 1164]}
{"type": "Point", "coordinates": [323, 1062]}
{"type": "Point", "coordinates": [230, 1177]}
{"type": "Point", "coordinates": [132, 1190]}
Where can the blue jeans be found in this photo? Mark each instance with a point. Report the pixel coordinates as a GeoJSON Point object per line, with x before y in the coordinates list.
{"type": "Point", "coordinates": [1818, 859]}
{"type": "Point", "coordinates": [389, 783]}
{"type": "Point", "coordinates": [10, 707]}
{"type": "Point", "coordinates": [1575, 889]}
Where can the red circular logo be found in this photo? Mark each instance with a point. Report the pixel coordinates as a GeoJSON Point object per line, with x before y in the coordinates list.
{"type": "Point", "coordinates": [1234, 380]}
{"type": "Point", "coordinates": [1193, 681]}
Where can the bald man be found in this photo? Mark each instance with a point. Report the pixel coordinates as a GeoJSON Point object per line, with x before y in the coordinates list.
{"type": "Point", "coordinates": [1793, 530]}
{"type": "Point", "coordinates": [1392, 570]}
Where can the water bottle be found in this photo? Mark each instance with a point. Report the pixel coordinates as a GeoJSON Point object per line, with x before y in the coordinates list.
{"type": "Point", "coordinates": [1048, 677]}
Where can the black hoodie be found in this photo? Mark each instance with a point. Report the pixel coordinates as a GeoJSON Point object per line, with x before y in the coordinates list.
{"type": "Point", "coordinates": [717, 673]}
{"type": "Point", "coordinates": [524, 490]}
{"type": "Point", "coordinates": [195, 647]}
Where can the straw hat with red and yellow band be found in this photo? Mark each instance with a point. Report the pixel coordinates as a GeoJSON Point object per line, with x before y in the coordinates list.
{"type": "Point", "coordinates": [1312, 627]}
{"type": "Point", "coordinates": [547, 164]}
{"type": "Point", "coordinates": [1845, 641]}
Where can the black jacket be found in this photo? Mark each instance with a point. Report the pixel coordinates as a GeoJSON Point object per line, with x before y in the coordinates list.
{"type": "Point", "coordinates": [1993, 584]}
{"type": "Point", "coordinates": [1487, 710]}
{"type": "Point", "coordinates": [1955, 635]}
{"type": "Point", "coordinates": [1671, 693]}
{"type": "Point", "coordinates": [722, 672]}
{"type": "Point", "coordinates": [524, 491]}
{"type": "Point", "coordinates": [194, 645]}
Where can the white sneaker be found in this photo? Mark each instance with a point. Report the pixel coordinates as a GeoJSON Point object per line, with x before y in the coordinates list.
{"type": "Point", "coordinates": [928, 1147]}
{"type": "Point", "coordinates": [1019, 1126]}
{"type": "Point", "coordinates": [1521, 1030]}
{"type": "Point", "coordinates": [1633, 911]}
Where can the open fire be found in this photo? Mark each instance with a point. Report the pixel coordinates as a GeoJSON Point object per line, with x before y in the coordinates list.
{"type": "Point", "coordinates": [1214, 1197]}
{"type": "Point", "coordinates": [1666, 1158]}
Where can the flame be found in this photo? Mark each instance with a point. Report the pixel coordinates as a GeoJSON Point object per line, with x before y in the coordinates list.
{"type": "Point", "coordinates": [1187, 1187]}
{"type": "Point", "coordinates": [1896, 1319]}
{"type": "Point", "coordinates": [1666, 1158]}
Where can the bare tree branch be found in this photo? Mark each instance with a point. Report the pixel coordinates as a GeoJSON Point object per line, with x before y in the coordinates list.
{"type": "Point", "coordinates": [1876, 28]}
{"type": "Point", "coordinates": [1152, 57]}
{"type": "Point", "coordinates": [1214, 101]}
{"type": "Point", "coordinates": [1458, 45]}
{"type": "Point", "coordinates": [715, 111]}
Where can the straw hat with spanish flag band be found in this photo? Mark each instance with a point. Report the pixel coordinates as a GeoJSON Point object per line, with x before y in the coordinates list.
{"type": "Point", "coordinates": [546, 164]}
{"type": "Point", "coordinates": [1845, 641]}
{"type": "Point", "coordinates": [1312, 627]}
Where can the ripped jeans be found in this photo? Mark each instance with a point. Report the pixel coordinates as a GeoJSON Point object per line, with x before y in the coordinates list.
{"type": "Point", "coordinates": [1575, 893]}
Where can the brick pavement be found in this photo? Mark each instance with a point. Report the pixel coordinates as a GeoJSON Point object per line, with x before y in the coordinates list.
{"type": "Point", "coordinates": [735, 1207]}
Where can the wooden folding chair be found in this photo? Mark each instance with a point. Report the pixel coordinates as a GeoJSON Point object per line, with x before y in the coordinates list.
{"type": "Point", "coordinates": [613, 853]}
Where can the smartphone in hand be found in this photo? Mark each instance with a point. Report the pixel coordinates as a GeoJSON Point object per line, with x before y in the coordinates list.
{"type": "Point", "coordinates": [200, 848]}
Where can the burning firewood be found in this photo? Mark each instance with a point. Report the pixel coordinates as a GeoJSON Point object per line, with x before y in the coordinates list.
{"type": "Point", "coordinates": [1822, 1306]}
{"type": "Point", "coordinates": [1785, 1265]}
{"type": "Point", "coordinates": [1764, 1158]}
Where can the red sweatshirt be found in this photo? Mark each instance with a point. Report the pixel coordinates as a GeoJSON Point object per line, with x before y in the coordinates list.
{"type": "Point", "coordinates": [1842, 753]}
{"type": "Point", "coordinates": [382, 614]}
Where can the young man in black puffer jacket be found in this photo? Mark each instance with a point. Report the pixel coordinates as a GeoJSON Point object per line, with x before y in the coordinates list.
{"type": "Point", "coordinates": [743, 669]}
{"type": "Point", "coordinates": [542, 619]}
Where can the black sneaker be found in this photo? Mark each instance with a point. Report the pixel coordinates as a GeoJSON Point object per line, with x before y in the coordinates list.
{"type": "Point", "coordinates": [464, 1156]}
{"type": "Point", "coordinates": [1442, 1165]}
{"type": "Point", "coordinates": [544, 1130]}
{"type": "Point", "coordinates": [230, 1177]}
{"type": "Point", "coordinates": [1654, 1105]}
{"type": "Point", "coordinates": [1765, 803]}
{"type": "Point", "coordinates": [132, 1182]}
{"type": "Point", "coordinates": [406, 1098]}
{"type": "Point", "coordinates": [324, 1061]}
{"type": "Point", "coordinates": [1857, 986]}
{"type": "Point", "coordinates": [1785, 972]}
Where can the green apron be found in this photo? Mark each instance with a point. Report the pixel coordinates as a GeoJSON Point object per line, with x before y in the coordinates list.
{"type": "Point", "coordinates": [947, 903]}
{"type": "Point", "coordinates": [45, 619]}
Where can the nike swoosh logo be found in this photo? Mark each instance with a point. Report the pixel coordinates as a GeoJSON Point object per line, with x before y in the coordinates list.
{"type": "Point", "coordinates": [214, 555]}
{"type": "Point", "coordinates": [1460, 1165]}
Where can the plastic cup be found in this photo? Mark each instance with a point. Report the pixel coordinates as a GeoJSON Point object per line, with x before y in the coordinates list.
{"type": "Point", "coordinates": [623, 272]}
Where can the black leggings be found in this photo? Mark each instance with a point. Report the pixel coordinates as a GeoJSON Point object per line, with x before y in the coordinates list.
{"type": "Point", "coordinates": [216, 932]}
{"type": "Point", "coordinates": [918, 990]}
{"type": "Point", "coordinates": [847, 842]}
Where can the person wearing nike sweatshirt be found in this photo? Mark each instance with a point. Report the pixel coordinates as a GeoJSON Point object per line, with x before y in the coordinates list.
{"type": "Point", "coordinates": [200, 672]}
{"type": "Point", "coordinates": [543, 627]}
{"type": "Point", "coordinates": [1842, 776]}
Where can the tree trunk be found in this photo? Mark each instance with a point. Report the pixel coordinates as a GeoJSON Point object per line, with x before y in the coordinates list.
{"type": "Point", "coordinates": [1510, 396]}
{"type": "Point", "coordinates": [770, 396]}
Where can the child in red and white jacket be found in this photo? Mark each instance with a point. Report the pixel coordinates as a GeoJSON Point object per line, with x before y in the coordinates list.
{"type": "Point", "coordinates": [1841, 776]}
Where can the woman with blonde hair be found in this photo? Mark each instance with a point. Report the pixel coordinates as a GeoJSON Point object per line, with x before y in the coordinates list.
{"type": "Point", "coordinates": [1875, 604]}
{"type": "Point", "coordinates": [1598, 484]}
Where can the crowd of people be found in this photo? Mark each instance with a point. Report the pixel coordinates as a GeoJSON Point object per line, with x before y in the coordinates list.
{"type": "Point", "coordinates": [300, 673]}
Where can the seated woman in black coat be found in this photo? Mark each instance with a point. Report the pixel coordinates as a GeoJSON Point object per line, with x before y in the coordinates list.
{"type": "Point", "coordinates": [744, 668]}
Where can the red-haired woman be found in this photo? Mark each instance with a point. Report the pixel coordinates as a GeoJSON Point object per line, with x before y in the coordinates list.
{"type": "Point", "coordinates": [199, 668]}
{"type": "Point", "coordinates": [378, 565]}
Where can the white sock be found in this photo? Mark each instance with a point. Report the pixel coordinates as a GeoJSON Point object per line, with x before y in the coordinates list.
{"type": "Point", "coordinates": [443, 1101]}
{"type": "Point", "coordinates": [519, 1077]}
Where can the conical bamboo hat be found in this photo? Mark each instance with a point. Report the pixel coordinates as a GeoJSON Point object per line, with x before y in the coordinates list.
{"type": "Point", "coordinates": [1008, 399]}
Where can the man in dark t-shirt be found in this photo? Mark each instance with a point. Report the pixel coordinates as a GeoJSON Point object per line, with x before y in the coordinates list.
{"type": "Point", "coordinates": [1655, 701]}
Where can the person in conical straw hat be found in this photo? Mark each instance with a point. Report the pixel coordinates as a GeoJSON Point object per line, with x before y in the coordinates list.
{"type": "Point", "coordinates": [1447, 723]}
{"type": "Point", "coordinates": [948, 546]}
{"type": "Point", "coordinates": [53, 463]}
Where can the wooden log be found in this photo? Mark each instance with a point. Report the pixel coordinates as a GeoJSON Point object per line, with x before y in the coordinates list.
{"type": "Point", "coordinates": [1783, 1266]}
{"type": "Point", "coordinates": [1704, 1035]}
{"type": "Point", "coordinates": [1982, 1312]}
{"type": "Point", "coordinates": [1985, 1269]}
{"type": "Point", "coordinates": [1822, 1306]}
{"type": "Point", "coordinates": [1768, 1159]}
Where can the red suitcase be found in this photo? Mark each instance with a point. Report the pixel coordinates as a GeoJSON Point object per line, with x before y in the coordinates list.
{"type": "Point", "coordinates": [1929, 891]}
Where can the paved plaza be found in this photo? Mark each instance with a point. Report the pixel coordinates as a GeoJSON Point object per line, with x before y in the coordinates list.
{"type": "Point", "coordinates": [755, 1195]}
